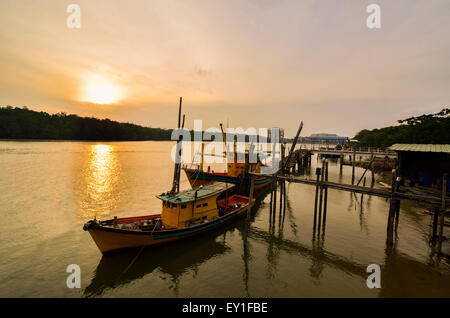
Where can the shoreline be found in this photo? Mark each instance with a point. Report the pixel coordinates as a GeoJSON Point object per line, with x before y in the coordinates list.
{"type": "Point", "coordinates": [78, 140]}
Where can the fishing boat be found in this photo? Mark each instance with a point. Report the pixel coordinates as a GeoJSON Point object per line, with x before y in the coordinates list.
{"type": "Point", "coordinates": [183, 214]}
{"type": "Point", "coordinates": [236, 171]}
{"type": "Point", "coordinates": [198, 177]}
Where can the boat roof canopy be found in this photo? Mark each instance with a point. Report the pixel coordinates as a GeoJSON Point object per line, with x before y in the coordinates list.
{"type": "Point", "coordinates": [202, 192]}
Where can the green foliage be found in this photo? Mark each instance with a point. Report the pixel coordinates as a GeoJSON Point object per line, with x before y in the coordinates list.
{"type": "Point", "coordinates": [22, 123]}
{"type": "Point", "coordinates": [424, 129]}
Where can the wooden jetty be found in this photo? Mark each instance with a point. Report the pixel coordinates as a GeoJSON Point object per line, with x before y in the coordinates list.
{"type": "Point", "coordinates": [395, 193]}
{"type": "Point", "coordinates": [358, 151]}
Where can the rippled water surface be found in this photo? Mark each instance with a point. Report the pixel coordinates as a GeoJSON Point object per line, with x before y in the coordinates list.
{"type": "Point", "coordinates": [48, 190]}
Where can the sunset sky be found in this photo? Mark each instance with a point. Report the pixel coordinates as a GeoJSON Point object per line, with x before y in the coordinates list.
{"type": "Point", "coordinates": [257, 63]}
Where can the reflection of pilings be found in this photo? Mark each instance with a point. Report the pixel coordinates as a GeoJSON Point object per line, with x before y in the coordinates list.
{"type": "Point", "coordinates": [394, 210]}
{"type": "Point", "coordinates": [246, 256]}
{"type": "Point", "coordinates": [274, 201]}
{"type": "Point", "coordinates": [291, 218]}
{"type": "Point", "coordinates": [435, 223]}
{"type": "Point", "coordinates": [250, 199]}
{"type": "Point", "coordinates": [281, 198]}
{"type": "Point", "coordinates": [274, 191]}
{"type": "Point", "coordinates": [362, 194]}
{"type": "Point", "coordinates": [330, 259]}
{"type": "Point", "coordinates": [441, 221]}
{"type": "Point", "coordinates": [282, 205]}
{"type": "Point", "coordinates": [321, 194]}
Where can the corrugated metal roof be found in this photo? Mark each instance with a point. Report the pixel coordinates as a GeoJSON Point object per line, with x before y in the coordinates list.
{"type": "Point", "coordinates": [421, 148]}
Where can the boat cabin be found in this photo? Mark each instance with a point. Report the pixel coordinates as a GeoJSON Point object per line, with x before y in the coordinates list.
{"type": "Point", "coordinates": [193, 206]}
{"type": "Point", "coordinates": [236, 168]}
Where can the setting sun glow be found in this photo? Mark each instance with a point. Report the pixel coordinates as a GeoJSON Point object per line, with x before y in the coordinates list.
{"type": "Point", "coordinates": [100, 90]}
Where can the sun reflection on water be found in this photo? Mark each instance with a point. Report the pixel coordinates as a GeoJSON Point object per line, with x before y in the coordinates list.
{"type": "Point", "coordinates": [101, 175]}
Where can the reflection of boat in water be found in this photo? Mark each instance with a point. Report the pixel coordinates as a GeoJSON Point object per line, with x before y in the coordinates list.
{"type": "Point", "coordinates": [184, 214]}
{"type": "Point", "coordinates": [117, 269]}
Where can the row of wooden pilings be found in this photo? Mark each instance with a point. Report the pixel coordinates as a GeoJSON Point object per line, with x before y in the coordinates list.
{"type": "Point", "coordinates": [320, 215]}
{"type": "Point", "coordinates": [321, 199]}
{"type": "Point", "coordinates": [370, 165]}
{"type": "Point", "coordinates": [437, 234]}
{"type": "Point", "coordinates": [321, 195]}
{"type": "Point", "coordinates": [302, 160]}
{"type": "Point", "coordinates": [439, 217]}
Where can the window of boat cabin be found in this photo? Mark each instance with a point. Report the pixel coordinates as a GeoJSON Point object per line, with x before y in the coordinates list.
{"type": "Point", "coordinates": [205, 204]}
{"type": "Point", "coordinates": [184, 206]}
{"type": "Point", "coordinates": [198, 205]}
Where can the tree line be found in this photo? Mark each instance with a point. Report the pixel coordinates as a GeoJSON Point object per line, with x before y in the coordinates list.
{"type": "Point", "coordinates": [23, 123]}
{"type": "Point", "coordinates": [424, 129]}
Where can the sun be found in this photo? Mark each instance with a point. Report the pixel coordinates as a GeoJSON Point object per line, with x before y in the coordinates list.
{"type": "Point", "coordinates": [99, 90]}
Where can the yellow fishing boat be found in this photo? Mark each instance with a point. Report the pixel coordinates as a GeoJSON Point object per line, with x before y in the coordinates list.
{"type": "Point", "coordinates": [183, 214]}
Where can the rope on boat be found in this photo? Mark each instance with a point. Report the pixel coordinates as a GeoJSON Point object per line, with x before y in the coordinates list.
{"type": "Point", "coordinates": [134, 260]}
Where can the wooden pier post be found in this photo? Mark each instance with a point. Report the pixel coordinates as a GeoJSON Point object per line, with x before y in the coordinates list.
{"type": "Point", "coordinates": [392, 208]}
{"type": "Point", "coordinates": [325, 196]}
{"type": "Point", "coordinates": [362, 194]}
{"type": "Point", "coordinates": [341, 163]}
{"type": "Point", "coordinates": [317, 194]}
{"type": "Point", "coordinates": [281, 195]}
{"type": "Point", "coordinates": [435, 224]}
{"type": "Point", "coordinates": [271, 196]}
{"type": "Point", "coordinates": [372, 167]}
{"type": "Point", "coordinates": [353, 165]}
{"type": "Point", "coordinates": [321, 193]}
{"type": "Point", "coordinates": [397, 213]}
{"type": "Point", "coordinates": [275, 194]}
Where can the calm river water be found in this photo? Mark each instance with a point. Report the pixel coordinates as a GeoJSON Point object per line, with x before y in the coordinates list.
{"type": "Point", "coordinates": [48, 190]}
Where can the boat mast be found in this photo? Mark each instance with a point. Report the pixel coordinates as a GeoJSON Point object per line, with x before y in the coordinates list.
{"type": "Point", "coordinates": [177, 168]}
{"type": "Point", "coordinates": [224, 138]}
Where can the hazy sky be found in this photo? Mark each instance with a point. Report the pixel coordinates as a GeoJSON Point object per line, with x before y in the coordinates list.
{"type": "Point", "coordinates": [257, 63]}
